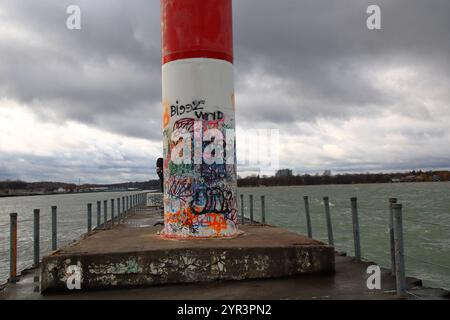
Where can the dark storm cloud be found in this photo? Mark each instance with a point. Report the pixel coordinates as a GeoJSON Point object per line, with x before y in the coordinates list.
{"type": "Point", "coordinates": [322, 49]}
{"type": "Point", "coordinates": [319, 49]}
{"type": "Point", "coordinates": [296, 62]}
{"type": "Point", "coordinates": [106, 75]}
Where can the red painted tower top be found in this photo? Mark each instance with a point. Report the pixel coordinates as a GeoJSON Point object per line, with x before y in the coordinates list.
{"type": "Point", "coordinates": [197, 29]}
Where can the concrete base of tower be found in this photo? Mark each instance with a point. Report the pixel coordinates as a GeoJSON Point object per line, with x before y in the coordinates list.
{"type": "Point", "coordinates": [134, 256]}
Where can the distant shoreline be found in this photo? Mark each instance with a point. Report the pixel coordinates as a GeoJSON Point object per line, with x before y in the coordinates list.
{"type": "Point", "coordinates": [341, 184]}
{"type": "Point", "coordinates": [246, 186]}
{"type": "Point", "coordinates": [62, 193]}
{"type": "Point", "coordinates": [285, 177]}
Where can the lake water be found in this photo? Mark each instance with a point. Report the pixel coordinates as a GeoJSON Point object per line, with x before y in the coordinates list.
{"type": "Point", "coordinates": [426, 221]}
{"type": "Point", "coordinates": [72, 222]}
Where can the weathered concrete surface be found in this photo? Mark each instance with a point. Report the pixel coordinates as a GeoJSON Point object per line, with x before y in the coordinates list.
{"type": "Point", "coordinates": [134, 255]}
{"type": "Point", "coordinates": [349, 282]}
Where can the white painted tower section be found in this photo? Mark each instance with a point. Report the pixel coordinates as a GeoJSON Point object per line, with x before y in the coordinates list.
{"type": "Point", "coordinates": [200, 197]}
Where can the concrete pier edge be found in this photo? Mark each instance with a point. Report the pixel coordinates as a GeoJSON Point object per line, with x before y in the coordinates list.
{"type": "Point", "coordinates": [261, 252]}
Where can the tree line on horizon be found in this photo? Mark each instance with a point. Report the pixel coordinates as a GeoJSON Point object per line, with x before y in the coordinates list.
{"type": "Point", "coordinates": [283, 177]}
{"type": "Point", "coordinates": [48, 186]}
{"type": "Point", "coordinates": [288, 179]}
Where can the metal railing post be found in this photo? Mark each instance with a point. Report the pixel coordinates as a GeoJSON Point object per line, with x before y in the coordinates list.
{"type": "Point", "coordinates": [105, 213]}
{"type": "Point", "coordinates": [242, 209]}
{"type": "Point", "coordinates": [54, 228]}
{"type": "Point", "coordinates": [89, 217]}
{"type": "Point", "coordinates": [399, 251]}
{"type": "Point", "coordinates": [355, 224]}
{"type": "Point", "coordinates": [132, 204]}
{"type": "Point", "coordinates": [118, 211]}
{"type": "Point", "coordinates": [123, 209]}
{"type": "Point", "coordinates": [308, 216]}
{"type": "Point", "coordinates": [13, 248]}
{"type": "Point", "coordinates": [99, 213]}
{"type": "Point", "coordinates": [263, 210]}
{"type": "Point", "coordinates": [392, 201]}
{"type": "Point", "coordinates": [36, 237]}
{"type": "Point", "coordinates": [128, 204]}
{"type": "Point", "coordinates": [326, 202]}
{"type": "Point", "coordinates": [112, 212]}
{"type": "Point", "coordinates": [251, 209]}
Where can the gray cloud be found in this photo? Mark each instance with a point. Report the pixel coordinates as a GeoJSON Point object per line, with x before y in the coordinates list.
{"type": "Point", "coordinates": [52, 168]}
{"type": "Point", "coordinates": [322, 49]}
{"type": "Point", "coordinates": [297, 63]}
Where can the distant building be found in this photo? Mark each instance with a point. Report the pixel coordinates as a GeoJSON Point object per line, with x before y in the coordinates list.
{"type": "Point", "coordinates": [410, 178]}
{"type": "Point", "coordinates": [283, 173]}
{"type": "Point", "coordinates": [99, 189]}
{"type": "Point", "coordinates": [326, 173]}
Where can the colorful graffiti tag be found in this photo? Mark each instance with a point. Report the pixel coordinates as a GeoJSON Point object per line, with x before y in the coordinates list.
{"type": "Point", "coordinates": [199, 159]}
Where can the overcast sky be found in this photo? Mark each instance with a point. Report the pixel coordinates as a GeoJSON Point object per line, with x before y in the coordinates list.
{"type": "Point", "coordinates": [86, 104]}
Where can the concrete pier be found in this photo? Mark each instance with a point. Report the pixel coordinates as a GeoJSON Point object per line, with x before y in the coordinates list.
{"type": "Point", "coordinates": [132, 240]}
{"type": "Point", "coordinates": [135, 255]}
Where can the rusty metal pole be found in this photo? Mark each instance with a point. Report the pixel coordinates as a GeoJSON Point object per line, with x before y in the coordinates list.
{"type": "Point", "coordinates": [308, 216]}
{"type": "Point", "coordinates": [392, 201]}
{"type": "Point", "coordinates": [13, 248]}
{"type": "Point", "coordinates": [326, 202]}
{"type": "Point", "coordinates": [36, 236]}
{"type": "Point", "coordinates": [128, 205]}
{"type": "Point", "coordinates": [399, 251]}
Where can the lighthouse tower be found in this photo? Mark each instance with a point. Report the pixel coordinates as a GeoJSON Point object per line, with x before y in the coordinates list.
{"type": "Point", "coordinates": [200, 198]}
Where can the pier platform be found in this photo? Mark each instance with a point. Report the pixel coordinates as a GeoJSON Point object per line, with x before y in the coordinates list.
{"type": "Point", "coordinates": [133, 254]}
{"type": "Point", "coordinates": [302, 268]}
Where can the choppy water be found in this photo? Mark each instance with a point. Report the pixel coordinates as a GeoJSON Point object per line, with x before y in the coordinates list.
{"type": "Point", "coordinates": [72, 222]}
{"type": "Point", "coordinates": [426, 213]}
{"type": "Point", "coordinates": [426, 221]}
